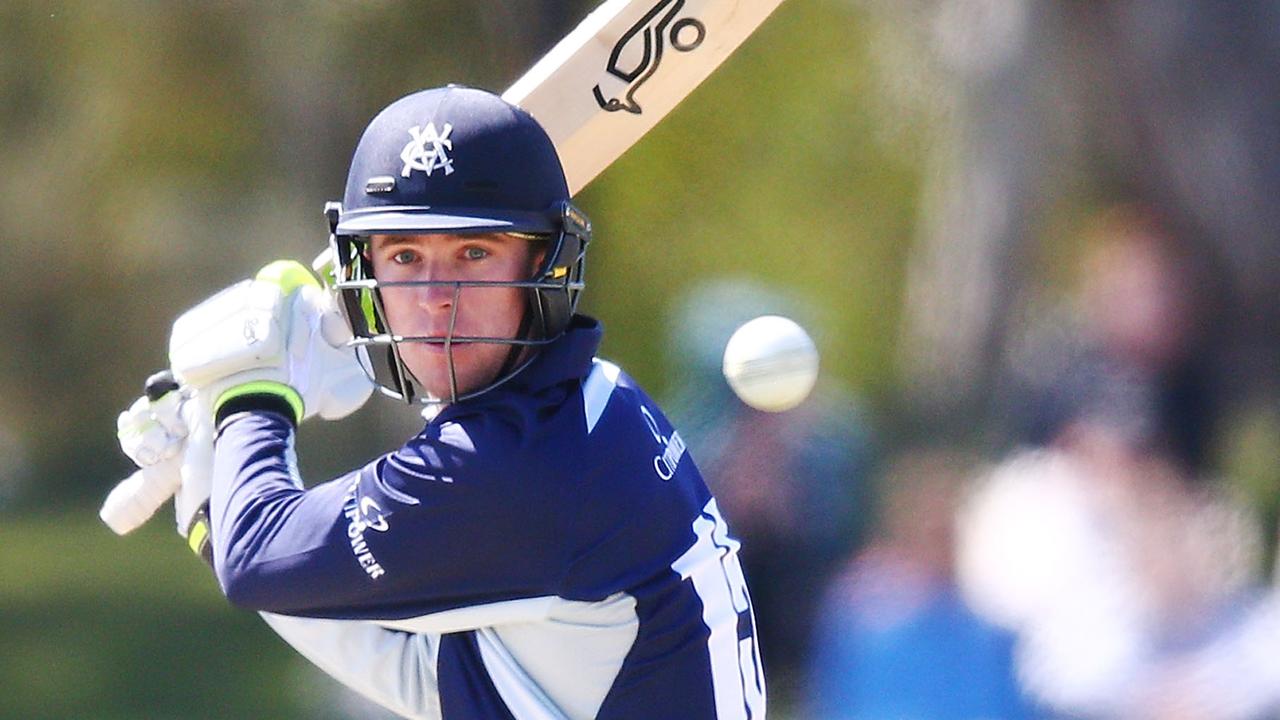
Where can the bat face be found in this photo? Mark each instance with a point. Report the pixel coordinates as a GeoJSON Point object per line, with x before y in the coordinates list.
{"type": "Point", "coordinates": [624, 68]}
{"type": "Point", "coordinates": [636, 56]}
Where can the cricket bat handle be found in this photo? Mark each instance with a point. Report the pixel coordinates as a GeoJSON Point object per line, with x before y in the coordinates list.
{"type": "Point", "coordinates": [136, 498]}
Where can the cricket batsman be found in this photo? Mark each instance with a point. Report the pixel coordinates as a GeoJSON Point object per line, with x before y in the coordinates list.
{"type": "Point", "coordinates": [545, 546]}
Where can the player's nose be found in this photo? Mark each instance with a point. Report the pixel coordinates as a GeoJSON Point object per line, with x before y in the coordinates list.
{"type": "Point", "coordinates": [438, 291]}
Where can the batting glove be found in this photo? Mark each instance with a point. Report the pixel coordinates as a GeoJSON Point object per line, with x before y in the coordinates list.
{"type": "Point", "coordinates": [277, 334]}
{"type": "Point", "coordinates": [171, 442]}
{"type": "Point", "coordinates": [152, 431]}
{"type": "Point", "coordinates": [191, 502]}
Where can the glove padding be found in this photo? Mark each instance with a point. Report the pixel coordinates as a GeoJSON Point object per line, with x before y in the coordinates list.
{"type": "Point", "coordinates": [278, 331]}
{"type": "Point", "coordinates": [192, 497]}
{"type": "Point", "coordinates": [152, 431]}
{"type": "Point", "coordinates": [171, 439]}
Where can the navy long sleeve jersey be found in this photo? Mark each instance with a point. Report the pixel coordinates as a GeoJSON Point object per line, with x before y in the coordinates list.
{"type": "Point", "coordinates": [546, 550]}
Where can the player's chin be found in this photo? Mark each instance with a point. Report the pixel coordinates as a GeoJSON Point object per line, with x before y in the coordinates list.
{"type": "Point", "coordinates": [430, 366]}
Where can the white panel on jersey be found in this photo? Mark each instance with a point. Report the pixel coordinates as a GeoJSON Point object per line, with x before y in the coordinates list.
{"type": "Point", "coordinates": [564, 652]}
{"type": "Point", "coordinates": [597, 389]}
{"type": "Point", "coordinates": [476, 616]}
{"type": "Point", "coordinates": [523, 697]}
{"type": "Point", "coordinates": [576, 655]}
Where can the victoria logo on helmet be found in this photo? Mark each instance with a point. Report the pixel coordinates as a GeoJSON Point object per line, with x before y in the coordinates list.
{"type": "Point", "coordinates": [428, 150]}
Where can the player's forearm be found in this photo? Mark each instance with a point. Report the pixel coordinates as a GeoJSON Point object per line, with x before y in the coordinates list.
{"type": "Point", "coordinates": [281, 549]}
{"type": "Point", "coordinates": [255, 488]}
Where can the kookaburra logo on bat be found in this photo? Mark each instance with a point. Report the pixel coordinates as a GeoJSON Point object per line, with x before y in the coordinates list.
{"type": "Point", "coordinates": [638, 52]}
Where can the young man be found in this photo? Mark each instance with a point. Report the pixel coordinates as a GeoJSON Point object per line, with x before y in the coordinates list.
{"type": "Point", "coordinates": [544, 547]}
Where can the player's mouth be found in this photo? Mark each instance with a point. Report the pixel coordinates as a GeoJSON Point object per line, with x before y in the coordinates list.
{"type": "Point", "coordinates": [436, 345]}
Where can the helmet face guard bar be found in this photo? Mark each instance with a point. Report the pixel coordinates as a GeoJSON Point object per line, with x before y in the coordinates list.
{"type": "Point", "coordinates": [551, 299]}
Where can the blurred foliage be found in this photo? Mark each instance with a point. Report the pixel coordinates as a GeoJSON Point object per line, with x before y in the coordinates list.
{"type": "Point", "coordinates": [155, 152]}
{"type": "Point", "coordinates": [1247, 456]}
{"type": "Point", "coordinates": [105, 627]}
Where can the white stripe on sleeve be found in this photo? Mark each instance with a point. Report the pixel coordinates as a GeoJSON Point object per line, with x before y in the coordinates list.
{"type": "Point", "coordinates": [597, 389]}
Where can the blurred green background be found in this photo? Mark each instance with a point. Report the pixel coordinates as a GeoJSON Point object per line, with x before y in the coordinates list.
{"type": "Point", "coordinates": [156, 152]}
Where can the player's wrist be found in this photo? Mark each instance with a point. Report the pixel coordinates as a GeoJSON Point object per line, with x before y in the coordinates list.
{"type": "Point", "coordinates": [259, 394]}
{"type": "Point", "coordinates": [198, 535]}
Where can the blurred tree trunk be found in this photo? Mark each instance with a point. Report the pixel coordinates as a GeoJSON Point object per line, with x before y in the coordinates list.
{"type": "Point", "coordinates": [982, 198]}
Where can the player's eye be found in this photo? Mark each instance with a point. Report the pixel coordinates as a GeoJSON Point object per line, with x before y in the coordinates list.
{"type": "Point", "coordinates": [403, 257]}
{"type": "Point", "coordinates": [475, 252]}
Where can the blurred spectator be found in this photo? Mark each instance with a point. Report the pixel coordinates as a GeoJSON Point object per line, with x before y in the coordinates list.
{"type": "Point", "coordinates": [1235, 676]}
{"type": "Point", "coordinates": [1131, 349]}
{"type": "Point", "coordinates": [1104, 560]}
{"type": "Point", "coordinates": [1102, 546]}
{"type": "Point", "coordinates": [894, 638]}
{"type": "Point", "coordinates": [792, 485]}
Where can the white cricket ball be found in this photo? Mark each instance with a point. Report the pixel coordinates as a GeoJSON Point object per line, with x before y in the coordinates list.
{"type": "Point", "coordinates": [771, 363]}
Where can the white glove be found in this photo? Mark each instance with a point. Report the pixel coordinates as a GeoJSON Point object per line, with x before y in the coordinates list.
{"type": "Point", "coordinates": [151, 432]}
{"type": "Point", "coordinates": [278, 333]}
{"type": "Point", "coordinates": [196, 485]}
{"type": "Point", "coordinates": [172, 444]}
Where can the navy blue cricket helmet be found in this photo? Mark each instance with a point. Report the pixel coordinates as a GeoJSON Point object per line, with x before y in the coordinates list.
{"type": "Point", "coordinates": [455, 160]}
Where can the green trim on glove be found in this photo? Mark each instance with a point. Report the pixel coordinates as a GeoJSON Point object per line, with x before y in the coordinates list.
{"type": "Point", "coordinates": [198, 534]}
{"type": "Point", "coordinates": [289, 275]}
{"type": "Point", "coordinates": [264, 387]}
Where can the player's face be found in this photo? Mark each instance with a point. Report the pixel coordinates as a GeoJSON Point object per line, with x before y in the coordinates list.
{"type": "Point", "coordinates": [426, 311]}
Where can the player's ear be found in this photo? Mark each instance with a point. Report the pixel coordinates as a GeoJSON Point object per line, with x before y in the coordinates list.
{"type": "Point", "coordinates": [368, 248]}
{"type": "Point", "coordinates": [538, 249]}
{"type": "Point", "coordinates": [535, 259]}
